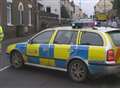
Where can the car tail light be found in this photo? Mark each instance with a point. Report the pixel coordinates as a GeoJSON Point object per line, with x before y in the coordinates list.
{"type": "Point", "coordinates": [110, 55]}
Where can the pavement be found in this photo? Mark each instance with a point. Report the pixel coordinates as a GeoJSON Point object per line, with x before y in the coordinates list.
{"type": "Point", "coordinates": [33, 77]}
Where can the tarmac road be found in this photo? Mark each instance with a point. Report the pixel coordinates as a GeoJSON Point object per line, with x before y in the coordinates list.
{"type": "Point", "coordinates": [33, 77]}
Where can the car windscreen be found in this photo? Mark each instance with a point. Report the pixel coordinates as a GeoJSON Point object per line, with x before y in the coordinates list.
{"type": "Point", "coordinates": [115, 36]}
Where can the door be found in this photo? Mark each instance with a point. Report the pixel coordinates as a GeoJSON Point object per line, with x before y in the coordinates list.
{"type": "Point", "coordinates": [115, 37]}
{"type": "Point", "coordinates": [95, 46]}
{"type": "Point", "coordinates": [38, 50]}
{"type": "Point", "coordinates": [63, 42]}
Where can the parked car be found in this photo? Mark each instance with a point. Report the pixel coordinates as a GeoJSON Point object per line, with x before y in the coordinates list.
{"type": "Point", "coordinates": [78, 52]}
{"type": "Point", "coordinates": [83, 23]}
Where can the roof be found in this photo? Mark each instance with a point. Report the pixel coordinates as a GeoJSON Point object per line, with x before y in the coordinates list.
{"type": "Point", "coordinates": [106, 29]}
{"type": "Point", "coordinates": [95, 29]}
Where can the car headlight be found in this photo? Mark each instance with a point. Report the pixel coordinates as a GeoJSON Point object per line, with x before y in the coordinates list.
{"type": "Point", "coordinates": [73, 24]}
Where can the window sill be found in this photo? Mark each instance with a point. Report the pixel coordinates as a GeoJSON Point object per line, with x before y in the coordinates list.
{"type": "Point", "coordinates": [30, 25]}
{"type": "Point", "coordinates": [10, 25]}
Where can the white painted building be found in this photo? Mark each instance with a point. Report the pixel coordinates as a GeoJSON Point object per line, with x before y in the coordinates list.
{"type": "Point", "coordinates": [51, 6]}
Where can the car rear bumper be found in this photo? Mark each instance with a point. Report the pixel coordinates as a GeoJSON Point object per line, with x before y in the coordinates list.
{"type": "Point", "coordinates": [104, 69]}
{"type": "Point", "coordinates": [112, 69]}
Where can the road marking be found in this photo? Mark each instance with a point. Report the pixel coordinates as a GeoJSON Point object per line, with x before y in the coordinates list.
{"type": "Point", "coordinates": [4, 68]}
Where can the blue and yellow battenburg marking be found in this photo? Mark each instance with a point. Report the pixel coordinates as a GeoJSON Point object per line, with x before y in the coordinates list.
{"type": "Point", "coordinates": [51, 55]}
{"type": "Point", "coordinates": [57, 55]}
{"type": "Point", "coordinates": [21, 47]}
{"type": "Point", "coordinates": [97, 54]}
{"type": "Point", "coordinates": [32, 50]}
{"type": "Point", "coordinates": [117, 55]}
{"type": "Point", "coordinates": [79, 51]}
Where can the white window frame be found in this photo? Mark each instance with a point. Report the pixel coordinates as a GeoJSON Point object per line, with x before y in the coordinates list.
{"type": "Point", "coordinates": [9, 1]}
{"type": "Point", "coordinates": [21, 9]}
{"type": "Point", "coordinates": [9, 13]}
{"type": "Point", "coordinates": [29, 15]}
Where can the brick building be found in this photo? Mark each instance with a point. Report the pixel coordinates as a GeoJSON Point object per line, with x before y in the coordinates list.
{"type": "Point", "coordinates": [28, 14]}
{"type": "Point", "coordinates": [17, 12]}
{"type": "Point", "coordinates": [2, 12]}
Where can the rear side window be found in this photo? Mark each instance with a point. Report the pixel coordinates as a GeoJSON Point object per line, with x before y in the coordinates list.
{"type": "Point", "coordinates": [115, 37]}
{"type": "Point", "coordinates": [43, 38]}
{"type": "Point", "coordinates": [89, 38]}
{"type": "Point", "coordinates": [66, 37]}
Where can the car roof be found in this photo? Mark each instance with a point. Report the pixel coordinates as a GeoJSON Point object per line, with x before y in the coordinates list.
{"type": "Point", "coordinates": [83, 20]}
{"type": "Point", "coordinates": [94, 29]}
{"type": "Point", "coordinates": [106, 29]}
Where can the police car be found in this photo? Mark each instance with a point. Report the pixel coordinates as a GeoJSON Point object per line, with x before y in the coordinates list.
{"type": "Point", "coordinates": [80, 52]}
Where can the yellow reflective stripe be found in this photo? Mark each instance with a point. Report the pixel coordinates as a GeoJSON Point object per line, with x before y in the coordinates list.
{"type": "Point", "coordinates": [1, 30]}
{"type": "Point", "coordinates": [96, 53]}
{"type": "Point", "coordinates": [53, 37]}
{"type": "Point", "coordinates": [51, 62]}
{"type": "Point", "coordinates": [77, 40]}
{"type": "Point", "coordinates": [62, 51]}
{"type": "Point", "coordinates": [1, 34]}
{"type": "Point", "coordinates": [109, 39]}
{"type": "Point", "coordinates": [44, 61]}
{"type": "Point", "coordinates": [33, 49]}
{"type": "Point", "coordinates": [10, 48]}
{"type": "Point", "coordinates": [79, 37]}
{"type": "Point", "coordinates": [25, 58]}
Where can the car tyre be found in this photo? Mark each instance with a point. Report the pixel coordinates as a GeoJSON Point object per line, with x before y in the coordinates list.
{"type": "Point", "coordinates": [78, 71]}
{"type": "Point", "coordinates": [16, 59]}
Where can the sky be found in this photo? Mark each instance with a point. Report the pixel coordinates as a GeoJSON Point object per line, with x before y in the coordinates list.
{"type": "Point", "coordinates": [86, 5]}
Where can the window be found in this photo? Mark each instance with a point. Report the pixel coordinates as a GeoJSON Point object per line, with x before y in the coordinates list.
{"type": "Point", "coordinates": [66, 37]}
{"type": "Point", "coordinates": [89, 38]}
{"type": "Point", "coordinates": [40, 7]}
{"type": "Point", "coordinates": [21, 9]}
{"type": "Point", "coordinates": [43, 38]}
{"type": "Point", "coordinates": [48, 9]}
{"type": "Point", "coordinates": [115, 35]}
{"type": "Point", "coordinates": [29, 15]}
{"type": "Point", "coordinates": [9, 18]}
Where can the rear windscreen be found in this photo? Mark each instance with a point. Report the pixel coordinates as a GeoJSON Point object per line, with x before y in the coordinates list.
{"type": "Point", "coordinates": [115, 35]}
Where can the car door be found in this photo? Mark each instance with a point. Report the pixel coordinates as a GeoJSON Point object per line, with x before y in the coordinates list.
{"type": "Point", "coordinates": [38, 48]}
{"type": "Point", "coordinates": [95, 46]}
{"type": "Point", "coordinates": [63, 42]}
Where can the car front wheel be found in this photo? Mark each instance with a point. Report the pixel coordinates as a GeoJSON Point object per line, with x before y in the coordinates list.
{"type": "Point", "coordinates": [16, 59]}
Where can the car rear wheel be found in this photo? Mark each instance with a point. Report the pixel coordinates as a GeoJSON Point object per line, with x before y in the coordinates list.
{"type": "Point", "coordinates": [16, 59]}
{"type": "Point", "coordinates": [78, 71]}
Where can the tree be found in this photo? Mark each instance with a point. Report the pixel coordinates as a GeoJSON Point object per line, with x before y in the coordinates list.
{"type": "Point", "coordinates": [116, 6]}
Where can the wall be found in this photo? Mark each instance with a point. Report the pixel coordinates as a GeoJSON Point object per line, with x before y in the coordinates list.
{"type": "Point", "coordinates": [11, 29]}
{"type": "Point", "coordinates": [54, 4]}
